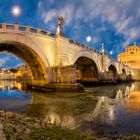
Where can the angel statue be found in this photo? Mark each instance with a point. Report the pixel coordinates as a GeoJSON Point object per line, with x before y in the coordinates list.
{"type": "Point", "coordinates": [60, 21]}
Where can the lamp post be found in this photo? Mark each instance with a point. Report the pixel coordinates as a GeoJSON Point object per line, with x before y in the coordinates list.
{"type": "Point", "coordinates": [16, 11]}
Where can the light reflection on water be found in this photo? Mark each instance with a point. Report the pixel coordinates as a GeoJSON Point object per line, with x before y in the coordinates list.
{"type": "Point", "coordinates": [106, 110]}
{"type": "Point", "coordinates": [12, 98]}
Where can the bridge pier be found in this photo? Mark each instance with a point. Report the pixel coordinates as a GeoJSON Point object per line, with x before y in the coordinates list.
{"type": "Point", "coordinates": [63, 74]}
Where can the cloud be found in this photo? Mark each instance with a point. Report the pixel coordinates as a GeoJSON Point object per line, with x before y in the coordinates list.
{"type": "Point", "coordinates": [8, 60]}
{"type": "Point", "coordinates": [130, 35]}
{"type": "Point", "coordinates": [79, 13]}
{"type": "Point", "coordinates": [121, 16]}
{"type": "Point", "coordinates": [4, 60]}
{"type": "Point", "coordinates": [50, 15]}
{"type": "Point", "coordinates": [67, 11]}
{"type": "Point", "coordinates": [123, 25]}
{"type": "Point", "coordinates": [95, 39]}
{"type": "Point", "coordinates": [19, 64]}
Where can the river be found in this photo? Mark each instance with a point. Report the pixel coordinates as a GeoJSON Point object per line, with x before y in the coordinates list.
{"type": "Point", "coordinates": [101, 111]}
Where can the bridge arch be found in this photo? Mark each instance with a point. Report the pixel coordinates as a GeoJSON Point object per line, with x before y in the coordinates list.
{"type": "Point", "coordinates": [89, 55]}
{"type": "Point", "coordinates": [123, 71]}
{"type": "Point", "coordinates": [87, 70]}
{"type": "Point", "coordinates": [28, 51]}
{"type": "Point", "coordinates": [113, 69]}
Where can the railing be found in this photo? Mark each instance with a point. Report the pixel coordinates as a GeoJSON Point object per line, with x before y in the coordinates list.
{"type": "Point", "coordinates": [16, 27]}
{"type": "Point", "coordinates": [84, 46]}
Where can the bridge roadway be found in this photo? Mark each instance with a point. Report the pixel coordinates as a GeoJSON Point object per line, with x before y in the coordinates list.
{"type": "Point", "coordinates": [54, 58]}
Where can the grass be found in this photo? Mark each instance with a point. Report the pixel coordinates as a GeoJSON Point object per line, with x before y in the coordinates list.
{"type": "Point", "coordinates": [56, 133]}
{"type": "Point", "coordinates": [21, 127]}
{"type": "Point", "coordinates": [46, 133]}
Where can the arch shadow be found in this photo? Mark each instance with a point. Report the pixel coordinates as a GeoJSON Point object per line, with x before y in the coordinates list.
{"type": "Point", "coordinates": [113, 69]}
{"type": "Point", "coordinates": [87, 70]}
{"type": "Point", "coordinates": [28, 56]}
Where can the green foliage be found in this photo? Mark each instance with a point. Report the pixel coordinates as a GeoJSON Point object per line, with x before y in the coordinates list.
{"type": "Point", "coordinates": [134, 137]}
{"type": "Point", "coordinates": [9, 132]}
{"type": "Point", "coordinates": [56, 133]}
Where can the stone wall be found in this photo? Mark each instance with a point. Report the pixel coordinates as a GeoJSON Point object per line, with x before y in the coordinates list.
{"type": "Point", "coordinates": [63, 74]}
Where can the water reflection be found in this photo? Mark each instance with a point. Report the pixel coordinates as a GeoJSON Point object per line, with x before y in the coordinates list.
{"type": "Point", "coordinates": [65, 109]}
{"type": "Point", "coordinates": [11, 98]}
{"type": "Point", "coordinates": [107, 109]}
{"type": "Point", "coordinates": [132, 102]}
{"type": "Point", "coordinates": [10, 85]}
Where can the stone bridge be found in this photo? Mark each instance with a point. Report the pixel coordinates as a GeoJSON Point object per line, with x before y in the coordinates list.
{"type": "Point", "coordinates": [55, 58]}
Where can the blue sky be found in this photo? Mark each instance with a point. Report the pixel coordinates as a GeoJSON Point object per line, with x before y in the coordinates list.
{"type": "Point", "coordinates": [114, 22]}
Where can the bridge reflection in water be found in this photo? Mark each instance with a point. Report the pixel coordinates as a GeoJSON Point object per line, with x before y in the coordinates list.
{"type": "Point", "coordinates": [98, 109]}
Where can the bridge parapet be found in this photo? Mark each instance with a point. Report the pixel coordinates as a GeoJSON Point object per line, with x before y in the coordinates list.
{"type": "Point", "coordinates": [79, 44]}
{"type": "Point", "coordinates": [24, 29]}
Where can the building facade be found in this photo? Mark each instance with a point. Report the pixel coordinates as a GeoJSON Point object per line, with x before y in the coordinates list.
{"type": "Point", "coordinates": [131, 57]}
{"type": "Point", "coordinates": [23, 72]}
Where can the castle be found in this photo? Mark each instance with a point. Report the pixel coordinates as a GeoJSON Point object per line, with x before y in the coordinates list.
{"type": "Point", "coordinates": [131, 57]}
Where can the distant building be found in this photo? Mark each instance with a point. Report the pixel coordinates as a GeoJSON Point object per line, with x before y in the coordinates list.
{"type": "Point", "coordinates": [131, 57]}
{"type": "Point", "coordinates": [2, 72]}
{"type": "Point", "coordinates": [21, 72]}
{"type": "Point", "coordinates": [6, 74]}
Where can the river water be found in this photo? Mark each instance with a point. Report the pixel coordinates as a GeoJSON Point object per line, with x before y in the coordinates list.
{"type": "Point", "coordinates": [101, 111]}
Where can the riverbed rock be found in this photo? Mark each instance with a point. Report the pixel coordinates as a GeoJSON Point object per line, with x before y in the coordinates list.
{"type": "Point", "coordinates": [8, 115]}
{"type": "Point", "coordinates": [36, 125]}
{"type": "Point", "coordinates": [27, 131]}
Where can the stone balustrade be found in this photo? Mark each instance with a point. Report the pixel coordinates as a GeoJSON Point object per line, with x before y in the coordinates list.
{"type": "Point", "coordinates": [16, 27]}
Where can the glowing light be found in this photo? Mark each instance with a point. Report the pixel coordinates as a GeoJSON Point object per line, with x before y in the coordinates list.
{"type": "Point", "coordinates": [133, 74]}
{"type": "Point", "coordinates": [102, 98]}
{"type": "Point", "coordinates": [111, 113]}
{"type": "Point", "coordinates": [19, 86]}
{"type": "Point", "coordinates": [16, 11]}
{"type": "Point", "coordinates": [88, 38]}
{"type": "Point", "coordinates": [111, 52]}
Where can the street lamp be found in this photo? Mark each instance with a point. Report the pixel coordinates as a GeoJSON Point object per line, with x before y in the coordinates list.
{"type": "Point", "coordinates": [16, 11]}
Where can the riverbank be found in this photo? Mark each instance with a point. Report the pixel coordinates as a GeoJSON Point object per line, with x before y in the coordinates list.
{"type": "Point", "coordinates": [21, 127]}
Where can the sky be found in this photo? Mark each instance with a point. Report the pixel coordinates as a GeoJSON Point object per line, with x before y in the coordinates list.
{"type": "Point", "coordinates": [116, 23]}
